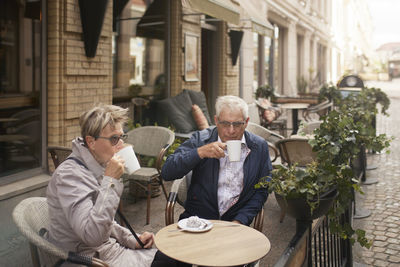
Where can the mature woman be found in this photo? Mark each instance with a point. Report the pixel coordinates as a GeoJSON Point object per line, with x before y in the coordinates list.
{"type": "Point", "coordinates": [85, 190]}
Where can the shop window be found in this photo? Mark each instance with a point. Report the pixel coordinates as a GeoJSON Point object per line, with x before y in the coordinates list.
{"type": "Point", "coordinates": [20, 87]}
{"type": "Point", "coordinates": [139, 54]}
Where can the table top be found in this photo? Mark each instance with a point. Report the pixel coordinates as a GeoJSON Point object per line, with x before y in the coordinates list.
{"type": "Point", "coordinates": [294, 105]}
{"type": "Point", "coordinates": [13, 137]}
{"type": "Point", "coordinates": [226, 244]}
{"type": "Point", "coordinates": [8, 119]}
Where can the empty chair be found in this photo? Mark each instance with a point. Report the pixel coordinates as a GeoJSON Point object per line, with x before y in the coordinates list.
{"type": "Point", "coordinates": [319, 109]}
{"type": "Point", "coordinates": [139, 104]}
{"type": "Point", "coordinates": [32, 219]}
{"type": "Point", "coordinates": [23, 117]}
{"type": "Point", "coordinates": [150, 141]}
{"type": "Point", "coordinates": [268, 135]}
{"type": "Point", "coordinates": [27, 149]}
{"type": "Point", "coordinates": [59, 154]}
{"type": "Point", "coordinates": [294, 151]}
{"type": "Point", "coordinates": [309, 127]}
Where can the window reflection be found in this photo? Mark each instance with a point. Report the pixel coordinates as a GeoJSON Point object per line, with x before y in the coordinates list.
{"type": "Point", "coordinates": [20, 72]}
{"type": "Point", "coordinates": [139, 57]}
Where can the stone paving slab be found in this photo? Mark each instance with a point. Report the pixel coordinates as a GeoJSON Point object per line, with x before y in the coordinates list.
{"type": "Point", "coordinates": [383, 198]}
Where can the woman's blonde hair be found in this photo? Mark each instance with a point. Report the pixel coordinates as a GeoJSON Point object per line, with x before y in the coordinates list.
{"type": "Point", "coordinates": [97, 118]}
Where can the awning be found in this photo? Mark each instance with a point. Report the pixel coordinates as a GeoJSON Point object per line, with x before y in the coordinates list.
{"type": "Point", "coordinates": [220, 9]}
{"type": "Point", "coordinates": [118, 6]}
{"type": "Point", "coordinates": [152, 23]}
{"type": "Point", "coordinates": [254, 16]}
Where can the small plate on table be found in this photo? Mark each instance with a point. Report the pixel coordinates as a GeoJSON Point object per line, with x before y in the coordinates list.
{"type": "Point", "coordinates": [205, 226]}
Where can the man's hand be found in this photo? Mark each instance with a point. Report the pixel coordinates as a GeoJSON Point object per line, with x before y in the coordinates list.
{"type": "Point", "coordinates": [147, 239]}
{"type": "Point", "coordinates": [213, 150]}
{"type": "Point", "coordinates": [115, 167]}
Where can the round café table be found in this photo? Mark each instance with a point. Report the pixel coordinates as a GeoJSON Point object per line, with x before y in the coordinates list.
{"type": "Point", "coordinates": [225, 244]}
{"type": "Point", "coordinates": [295, 110]}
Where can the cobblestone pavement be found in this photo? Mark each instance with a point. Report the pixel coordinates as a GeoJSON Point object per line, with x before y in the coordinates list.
{"type": "Point", "coordinates": [383, 198]}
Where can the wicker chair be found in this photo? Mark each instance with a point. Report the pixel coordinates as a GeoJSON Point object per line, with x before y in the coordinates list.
{"type": "Point", "coordinates": [294, 151]}
{"type": "Point", "coordinates": [309, 127]}
{"type": "Point", "coordinates": [59, 154]}
{"type": "Point", "coordinates": [32, 219]}
{"type": "Point", "coordinates": [150, 141]}
{"type": "Point", "coordinates": [320, 109]}
{"type": "Point", "coordinates": [178, 194]}
{"type": "Point", "coordinates": [268, 135]}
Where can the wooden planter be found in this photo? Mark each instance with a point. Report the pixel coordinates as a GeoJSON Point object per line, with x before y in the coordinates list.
{"type": "Point", "coordinates": [299, 209]}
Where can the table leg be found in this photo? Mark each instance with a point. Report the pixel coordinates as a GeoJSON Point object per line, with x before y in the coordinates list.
{"type": "Point", "coordinates": [295, 120]}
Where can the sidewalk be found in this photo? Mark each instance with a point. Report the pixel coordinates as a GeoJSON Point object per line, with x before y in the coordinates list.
{"type": "Point", "coordinates": [383, 198]}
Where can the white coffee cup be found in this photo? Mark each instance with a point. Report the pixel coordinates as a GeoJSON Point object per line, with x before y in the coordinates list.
{"type": "Point", "coordinates": [234, 149]}
{"type": "Point", "coordinates": [131, 162]}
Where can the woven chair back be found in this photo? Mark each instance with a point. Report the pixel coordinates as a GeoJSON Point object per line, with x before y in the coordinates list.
{"type": "Point", "coordinates": [149, 140]}
{"type": "Point", "coordinates": [296, 150]}
{"type": "Point", "coordinates": [31, 216]}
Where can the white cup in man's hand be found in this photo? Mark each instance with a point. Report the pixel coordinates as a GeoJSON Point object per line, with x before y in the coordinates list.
{"type": "Point", "coordinates": [131, 162]}
{"type": "Point", "coordinates": [234, 149]}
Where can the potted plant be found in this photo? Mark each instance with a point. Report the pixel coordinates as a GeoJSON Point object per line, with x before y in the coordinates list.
{"type": "Point", "coordinates": [265, 91]}
{"type": "Point", "coordinates": [304, 193]}
{"type": "Point", "coordinates": [302, 85]}
{"type": "Point", "coordinates": [336, 142]}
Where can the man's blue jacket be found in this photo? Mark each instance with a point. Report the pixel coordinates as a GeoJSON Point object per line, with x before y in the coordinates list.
{"type": "Point", "coordinates": [202, 197]}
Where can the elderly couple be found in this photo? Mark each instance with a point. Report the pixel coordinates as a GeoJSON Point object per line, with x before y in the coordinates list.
{"type": "Point", "coordinates": [85, 190]}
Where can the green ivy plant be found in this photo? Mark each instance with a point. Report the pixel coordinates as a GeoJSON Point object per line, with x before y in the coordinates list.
{"type": "Point", "coordinates": [265, 91]}
{"type": "Point", "coordinates": [337, 143]}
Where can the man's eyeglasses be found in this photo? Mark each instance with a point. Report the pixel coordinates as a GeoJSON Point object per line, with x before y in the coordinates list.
{"type": "Point", "coordinates": [235, 124]}
{"type": "Point", "coordinates": [113, 139]}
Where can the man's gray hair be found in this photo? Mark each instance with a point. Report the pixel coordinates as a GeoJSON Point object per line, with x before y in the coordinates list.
{"type": "Point", "coordinates": [97, 118]}
{"type": "Point", "coordinates": [232, 103]}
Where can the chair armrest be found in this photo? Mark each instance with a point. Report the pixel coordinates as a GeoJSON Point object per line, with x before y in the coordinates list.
{"type": "Point", "coordinates": [274, 149]}
{"type": "Point", "coordinates": [172, 197]}
{"type": "Point", "coordinates": [160, 157]}
{"type": "Point", "coordinates": [85, 260]}
{"type": "Point", "coordinates": [259, 220]}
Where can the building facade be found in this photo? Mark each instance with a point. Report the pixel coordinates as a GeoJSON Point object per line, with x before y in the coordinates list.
{"type": "Point", "coordinates": [55, 63]}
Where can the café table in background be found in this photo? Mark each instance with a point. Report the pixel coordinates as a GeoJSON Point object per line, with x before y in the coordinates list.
{"type": "Point", "coordinates": [225, 244]}
{"type": "Point", "coordinates": [8, 138]}
{"type": "Point", "coordinates": [295, 107]}
{"type": "Point", "coordinates": [6, 120]}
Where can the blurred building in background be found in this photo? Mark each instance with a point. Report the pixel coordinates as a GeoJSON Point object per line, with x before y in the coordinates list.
{"type": "Point", "coordinates": [59, 57]}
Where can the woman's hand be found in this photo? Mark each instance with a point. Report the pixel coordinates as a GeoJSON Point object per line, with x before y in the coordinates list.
{"type": "Point", "coordinates": [147, 239]}
{"type": "Point", "coordinates": [115, 167]}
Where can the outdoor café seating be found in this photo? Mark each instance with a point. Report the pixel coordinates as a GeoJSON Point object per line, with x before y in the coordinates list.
{"type": "Point", "coordinates": [314, 112]}
{"type": "Point", "coordinates": [269, 136]}
{"type": "Point", "coordinates": [178, 194]}
{"type": "Point", "coordinates": [32, 219]}
{"type": "Point", "coordinates": [307, 128]}
{"type": "Point", "coordinates": [270, 116]}
{"type": "Point", "coordinates": [153, 142]}
{"type": "Point", "coordinates": [294, 151]}
{"type": "Point", "coordinates": [59, 154]}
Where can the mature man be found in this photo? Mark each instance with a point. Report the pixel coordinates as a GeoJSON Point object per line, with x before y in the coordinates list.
{"type": "Point", "coordinates": [221, 189]}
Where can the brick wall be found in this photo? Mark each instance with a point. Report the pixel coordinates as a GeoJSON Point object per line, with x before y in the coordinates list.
{"type": "Point", "coordinates": [75, 82]}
